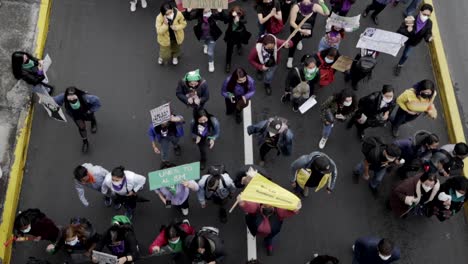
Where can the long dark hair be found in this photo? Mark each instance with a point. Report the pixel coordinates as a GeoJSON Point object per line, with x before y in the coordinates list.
{"type": "Point", "coordinates": [199, 241]}
{"type": "Point", "coordinates": [236, 75]}
{"type": "Point", "coordinates": [17, 63]}
{"type": "Point", "coordinates": [341, 97]}
{"type": "Point", "coordinates": [79, 93]}
{"type": "Point", "coordinates": [199, 113]}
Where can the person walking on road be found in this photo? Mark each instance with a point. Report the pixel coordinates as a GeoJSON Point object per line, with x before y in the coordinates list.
{"type": "Point", "coordinates": [456, 154]}
{"type": "Point", "coordinates": [332, 38]}
{"type": "Point", "coordinates": [124, 184]}
{"type": "Point", "coordinates": [340, 106]}
{"type": "Point", "coordinates": [205, 130]}
{"type": "Point", "coordinates": [165, 134]}
{"type": "Point", "coordinates": [411, 196]}
{"type": "Point", "coordinates": [133, 4]}
{"type": "Point", "coordinates": [411, 8]}
{"type": "Point", "coordinates": [80, 106]}
{"type": "Point", "coordinates": [32, 224]}
{"type": "Point", "coordinates": [192, 90]}
{"type": "Point", "coordinates": [170, 25]}
{"type": "Point", "coordinates": [362, 67]}
{"type": "Point", "coordinates": [237, 91]}
{"type": "Point", "coordinates": [245, 174]}
{"type": "Point", "coordinates": [413, 102]}
{"type": "Point", "coordinates": [301, 82]}
{"type": "Point", "coordinates": [273, 133]}
{"type": "Point", "coordinates": [265, 56]}
{"type": "Point", "coordinates": [30, 69]}
{"type": "Point", "coordinates": [90, 176]}
{"type": "Point", "coordinates": [265, 220]}
{"type": "Point", "coordinates": [177, 195]}
{"type": "Point", "coordinates": [206, 30]}
{"type": "Point", "coordinates": [372, 250]}
{"type": "Point", "coordinates": [377, 6]}
{"type": "Point", "coordinates": [416, 28]}
{"type": "Point", "coordinates": [341, 7]}
{"type": "Point", "coordinates": [450, 199]}
{"type": "Point", "coordinates": [317, 170]}
{"type": "Point", "coordinates": [205, 246]}
{"type": "Point", "coordinates": [378, 156]}
{"type": "Point", "coordinates": [269, 17]}
{"type": "Point", "coordinates": [325, 59]}
{"type": "Point", "coordinates": [172, 236]}
{"type": "Point", "coordinates": [300, 11]}
{"type": "Point", "coordinates": [374, 110]}
{"type": "Point", "coordinates": [236, 33]}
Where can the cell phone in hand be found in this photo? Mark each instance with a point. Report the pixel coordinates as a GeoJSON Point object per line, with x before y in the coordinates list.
{"type": "Point", "coordinates": [168, 204]}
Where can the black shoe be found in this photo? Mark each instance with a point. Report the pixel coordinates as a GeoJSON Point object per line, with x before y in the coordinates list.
{"type": "Point", "coordinates": [202, 164]}
{"type": "Point", "coordinates": [117, 206]}
{"type": "Point", "coordinates": [374, 191]}
{"type": "Point", "coordinates": [268, 89]}
{"type": "Point", "coordinates": [397, 70]}
{"type": "Point", "coordinates": [238, 117]}
{"type": "Point", "coordinates": [107, 201]}
{"type": "Point", "coordinates": [376, 20]}
{"type": "Point", "coordinates": [259, 75]}
{"type": "Point", "coordinates": [395, 132]}
{"type": "Point", "coordinates": [85, 146]}
{"type": "Point", "coordinates": [228, 68]}
{"type": "Point", "coordinates": [222, 215]}
{"type": "Point", "coordinates": [177, 150]}
{"type": "Point", "coordinates": [130, 213]}
{"type": "Point", "coordinates": [365, 13]}
{"type": "Point", "coordinates": [295, 108]}
{"type": "Point", "coordinates": [239, 50]}
{"type": "Point", "coordinates": [356, 177]}
{"type": "Point", "coordinates": [94, 127]}
{"type": "Point", "coordinates": [286, 98]}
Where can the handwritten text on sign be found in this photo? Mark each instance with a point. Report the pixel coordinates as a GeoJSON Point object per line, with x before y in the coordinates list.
{"type": "Point", "coordinates": [160, 114]}
{"type": "Point", "coordinates": [212, 4]}
{"type": "Point", "coordinates": [173, 176]}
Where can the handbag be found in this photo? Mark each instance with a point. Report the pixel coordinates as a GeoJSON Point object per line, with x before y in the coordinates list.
{"type": "Point", "coordinates": [274, 26]}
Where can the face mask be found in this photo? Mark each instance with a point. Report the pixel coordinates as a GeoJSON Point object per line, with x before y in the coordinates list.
{"type": "Point", "coordinates": [458, 194]}
{"type": "Point", "coordinates": [207, 14]}
{"type": "Point", "coordinates": [423, 18]}
{"type": "Point", "coordinates": [26, 230]}
{"type": "Point", "coordinates": [327, 60]}
{"type": "Point", "coordinates": [305, 8]}
{"type": "Point", "coordinates": [347, 103]}
{"type": "Point", "coordinates": [384, 257]}
{"type": "Point", "coordinates": [271, 134]}
{"type": "Point", "coordinates": [426, 187]}
{"type": "Point", "coordinates": [270, 50]}
{"type": "Point", "coordinates": [310, 71]}
{"type": "Point", "coordinates": [170, 17]}
{"type": "Point", "coordinates": [73, 242]}
{"type": "Point", "coordinates": [387, 100]}
{"type": "Point", "coordinates": [117, 183]}
{"type": "Point", "coordinates": [175, 241]}
{"type": "Point", "coordinates": [76, 105]}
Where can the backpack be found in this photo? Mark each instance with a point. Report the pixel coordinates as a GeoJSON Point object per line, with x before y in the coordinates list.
{"type": "Point", "coordinates": [327, 73]}
{"type": "Point", "coordinates": [216, 171]}
{"type": "Point", "coordinates": [366, 63]}
{"type": "Point", "coordinates": [302, 89]}
{"type": "Point", "coordinates": [371, 144]}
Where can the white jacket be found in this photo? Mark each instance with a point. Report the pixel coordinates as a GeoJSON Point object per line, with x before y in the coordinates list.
{"type": "Point", "coordinates": [135, 183]}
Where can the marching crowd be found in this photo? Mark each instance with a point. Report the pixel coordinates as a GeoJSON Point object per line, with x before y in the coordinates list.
{"type": "Point", "coordinates": [431, 184]}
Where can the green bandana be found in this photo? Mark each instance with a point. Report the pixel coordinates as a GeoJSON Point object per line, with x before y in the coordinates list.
{"type": "Point", "coordinates": [75, 106]}
{"type": "Point", "coordinates": [177, 246]}
{"type": "Point", "coordinates": [309, 76]}
{"type": "Point", "coordinates": [28, 65]}
{"type": "Point", "coordinates": [193, 76]}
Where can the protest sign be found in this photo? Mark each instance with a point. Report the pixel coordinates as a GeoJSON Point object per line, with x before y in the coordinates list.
{"type": "Point", "coordinates": [382, 41]}
{"type": "Point", "coordinates": [261, 190]}
{"type": "Point", "coordinates": [343, 63]}
{"type": "Point", "coordinates": [212, 4]}
{"type": "Point", "coordinates": [349, 24]}
{"type": "Point", "coordinates": [174, 175]}
{"type": "Point", "coordinates": [51, 107]}
{"type": "Point", "coordinates": [103, 258]}
{"type": "Point", "coordinates": [160, 114]}
{"type": "Point", "coordinates": [307, 104]}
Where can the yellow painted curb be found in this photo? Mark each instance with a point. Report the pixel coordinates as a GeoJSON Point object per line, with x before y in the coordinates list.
{"type": "Point", "coordinates": [446, 91]}
{"type": "Point", "coordinates": [21, 149]}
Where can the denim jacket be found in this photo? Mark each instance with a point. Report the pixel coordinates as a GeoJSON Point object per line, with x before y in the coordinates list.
{"type": "Point", "coordinates": [285, 139]}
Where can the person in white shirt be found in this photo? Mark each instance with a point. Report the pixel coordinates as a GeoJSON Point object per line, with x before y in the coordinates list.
{"type": "Point", "coordinates": [124, 185]}
{"type": "Point", "coordinates": [90, 176]}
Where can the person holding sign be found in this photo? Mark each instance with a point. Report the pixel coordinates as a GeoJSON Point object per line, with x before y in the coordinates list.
{"type": "Point", "coordinates": [165, 134]}
{"type": "Point", "coordinates": [300, 11]}
{"type": "Point", "coordinates": [192, 90]}
{"type": "Point", "coordinates": [34, 225]}
{"type": "Point", "coordinates": [205, 131]}
{"type": "Point", "coordinates": [236, 33]}
{"type": "Point", "coordinates": [317, 170]}
{"type": "Point", "coordinates": [80, 106]}
{"type": "Point", "coordinates": [245, 174]}
{"type": "Point", "coordinates": [265, 220]}
{"type": "Point", "coordinates": [237, 91]}
{"type": "Point", "coordinates": [170, 25]}
{"type": "Point", "coordinates": [269, 17]}
{"type": "Point", "coordinates": [30, 69]}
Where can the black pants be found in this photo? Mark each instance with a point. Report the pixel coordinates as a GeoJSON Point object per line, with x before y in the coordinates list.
{"type": "Point", "coordinates": [81, 124]}
{"type": "Point", "coordinates": [203, 146]}
{"type": "Point", "coordinates": [402, 117]}
{"type": "Point", "coordinates": [298, 37]}
{"type": "Point", "coordinates": [129, 202]}
{"type": "Point", "coordinates": [285, 10]}
{"type": "Point", "coordinates": [264, 149]}
{"type": "Point", "coordinates": [184, 205]}
{"type": "Point", "coordinates": [376, 6]}
{"type": "Point", "coordinates": [230, 50]}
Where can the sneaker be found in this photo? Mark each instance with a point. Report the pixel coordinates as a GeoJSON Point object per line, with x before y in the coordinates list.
{"type": "Point", "coordinates": [352, 248]}
{"type": "Point", "coordinates": [305, 192]}
{"type": "Point", "coordinates": [289, 64]}
{"type": "Point", "coordinates": [117, 206]}
{"type": "Point", "coordinates": [322, 142]}
{"type": "Point", "coordinates": [269, 250]}
{"type": "Point", "coordinates": [133, 6]}
{"type": "Point", "coordinates": [144, 4]}
{"type": "Point", "coordinates": [94, 128]}
{"type": "Point", "coordinates": [397, 70]}
{"type": "Point", "coordinates": [177, 150]}
{"type": "Point", "coordinates": [285, 98]}
{"type": "Point", "coordinates": [228, 68]}
{"type": "Point", "coordinates": [299, 45]}
{"type": "Point", "coordinates": [259, 75]}
{"type": "Point", "coordinates": [295, 108]}
{"type": "Point", "coordinates": [175, 61]}
{"type": "Point", "coordinates": [222, 215]}
{"type": "Point", "coordinates": [184, 211]}
{"type": "Point", "coordinates": [376, 20]}
{"type": "Point", "coordinates": [268, 88]}
{"type": "Point", "coordinates": [107, 201]}
{"type": "Point", "coordinates": [205, 49]}
{"type": "Point", "coordinates": [186, 221]}
{"type": "Point", "coordinates": [85, 146]}
{"type": "Point", "coordinates": [160, 61]}
{"type": "Point", "coordinates": [211, 66]}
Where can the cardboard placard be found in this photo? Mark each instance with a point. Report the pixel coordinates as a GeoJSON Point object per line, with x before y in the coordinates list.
{"type": "Point", "coordinates": [212, 4]}
{"type": "Point", "coordinates": [160, 114]}
{"type": "Point", "coordinates": [51, 107]}
{"type": "Point", "coordinates": [174, 175]}
{"type": "Point", "coordinates": [104, 258]}
{"type": "Point", "coordinates": [343, 63]}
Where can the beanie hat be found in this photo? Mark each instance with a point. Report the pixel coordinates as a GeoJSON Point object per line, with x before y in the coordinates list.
{"type": "Point", "coordinates": [193, 76]}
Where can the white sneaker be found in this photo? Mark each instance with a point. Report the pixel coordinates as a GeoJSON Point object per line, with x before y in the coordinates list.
{"type": "Point", "coordinates": [211, 66]}
{"type": "Point", "coordinates": [144, 4]}
{"type": "Point", "coordinates": [160, 61]}
{"type": "Point", "coordinates": [299, 45]}
{"type": "Point", "coordinates": [322, 142]}
{"type": "Point", "coordinates": [289, 63]}
{"type": "Point", "coordinates": [352, 248]}
{"type": "Point", "coordinates": [132, 6]}
{"type": "Point", "coordinates": [185, 211]}
{"type": "Point", "coordinates": [175, 61]}
{"type": "Point", "coordinates": [306, 191]}
{"type": "Point", "coordinates": [205, 49]}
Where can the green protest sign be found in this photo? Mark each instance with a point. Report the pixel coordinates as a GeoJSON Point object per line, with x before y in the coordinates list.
{"type": "Point", "coordinates": [174, 175]}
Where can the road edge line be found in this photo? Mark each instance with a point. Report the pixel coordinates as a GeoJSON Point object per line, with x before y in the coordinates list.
{"type": "Point", "coordinates": [22, 142]}
{"type": "Point", "coordinates": [446, 90]}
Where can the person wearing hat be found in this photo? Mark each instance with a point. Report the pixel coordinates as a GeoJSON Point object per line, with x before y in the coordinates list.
{"type": "Point", "coordinates": [301, 82]}
{"type": "Point", "coordinates": [272, 133]}
{"type": "Point", "coordinates": [205, 131]}
{"type": "Point", "coordinates": [92, 177]}
{"type": "Point", "coordinates": [165, 134]}
{"type": "Point", "coordinates": [192, 90]}
{"type": "Point", "coordinates": [450, 199]}
{"type": "Point", "coordinates": [317, 170]}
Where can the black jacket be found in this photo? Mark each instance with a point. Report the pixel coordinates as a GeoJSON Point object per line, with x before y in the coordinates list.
{"type": "Point", "coordinates": [215, 31]}
{"type": "Point", "coordinates": [125, 234]}
{"type": "Point", "coordinates": [241, 35]}
{"type": "Point", "coordinates": [31, 76]}
{"type": "Point", "coordinates": [413, 37]}
{"type": "Point", "coordinates": [293, 79]}
{"type": "Point", "coordinates": [370, 106]}
{"type": "Point", "coordinates": [242, 172]}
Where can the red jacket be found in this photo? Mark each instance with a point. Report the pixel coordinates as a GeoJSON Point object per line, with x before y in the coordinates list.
{"type": "Point", "coordinates": [256, 50]}
{"type": "Point", "coordinates": [265, 227]}
{"type": "Point", "coordinates": [161, 240]}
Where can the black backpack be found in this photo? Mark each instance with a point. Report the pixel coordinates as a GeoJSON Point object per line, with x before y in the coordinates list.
{"type": "Point", "coordinates": [366, 63]}
{"type": "Point", "coordinates": [372, 144]}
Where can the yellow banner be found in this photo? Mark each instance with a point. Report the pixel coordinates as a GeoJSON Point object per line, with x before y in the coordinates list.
{"type": "Point", "coordinates": [261, 190]}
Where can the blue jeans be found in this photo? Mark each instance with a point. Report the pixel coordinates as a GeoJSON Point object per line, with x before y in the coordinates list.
{"type": "Point", "coordinates": [211, 46]}
{"type": "Point", "coordinates": [412, 7]}
{"type": "Point", "coordinates": [405, 54]}
{"type": "Point", "coordinates": [323, 45]}
{"type": "Point", "coordinates": [327, 129]}
{"type": "Point", "coordinates": [269, 74]}
{"type": "Point", "coordinates": [378, 174]}
{"type": "Point", "coordinates": [165, 142]}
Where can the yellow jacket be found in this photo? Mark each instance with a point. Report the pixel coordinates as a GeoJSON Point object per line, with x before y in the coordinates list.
{"type": "Point", "coordinates": [409, 101]}
{"type": "Point", "coordinates": [178, 26]}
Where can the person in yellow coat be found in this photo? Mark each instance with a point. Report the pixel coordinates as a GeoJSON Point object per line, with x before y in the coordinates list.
{"type": "Point", "coordinates": [413, 102]}
{"type": "Point", "coordinates": [170, 25]}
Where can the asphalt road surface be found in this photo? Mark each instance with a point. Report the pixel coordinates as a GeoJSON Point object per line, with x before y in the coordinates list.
{"type": "Point", "coordinates": [101, 47]}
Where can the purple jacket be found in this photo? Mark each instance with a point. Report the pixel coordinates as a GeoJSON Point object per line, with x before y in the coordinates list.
{"type": "Point", "coordinates": [181, 194]}
{"type": "Point", "coordinates": [239, 90]}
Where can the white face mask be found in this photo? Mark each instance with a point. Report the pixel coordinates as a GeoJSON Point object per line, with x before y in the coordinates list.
{"type": "Point", "coordinates": [347, 103]}
{"type": "Point", "coordinates": [26, 230]}
{"type": "Point", "coordinates": [384, 257]}
{"type": "Point", "coordinates": [310, 71]}
{"type": "Point", "coordinates": [175, 241]}
{"type": "Point", "coordinates": [327, 60]}
{"type": "Point", "coordinates": [426, 187]}
{"type": "Point", "coordinates": [207, 14]}
{"type": "Point", "coordinates": [271, 134]}
{"type": "Point", "coordinates": [458, 194]}
{"type": "Point", "coordinates": [387, 100]}
{"type": "Point", "coordinates": [73, 242]}
{"type": "Point", "coordinates": [423, 18]}
{"type": "Point", "coordinates": [171, 16]}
